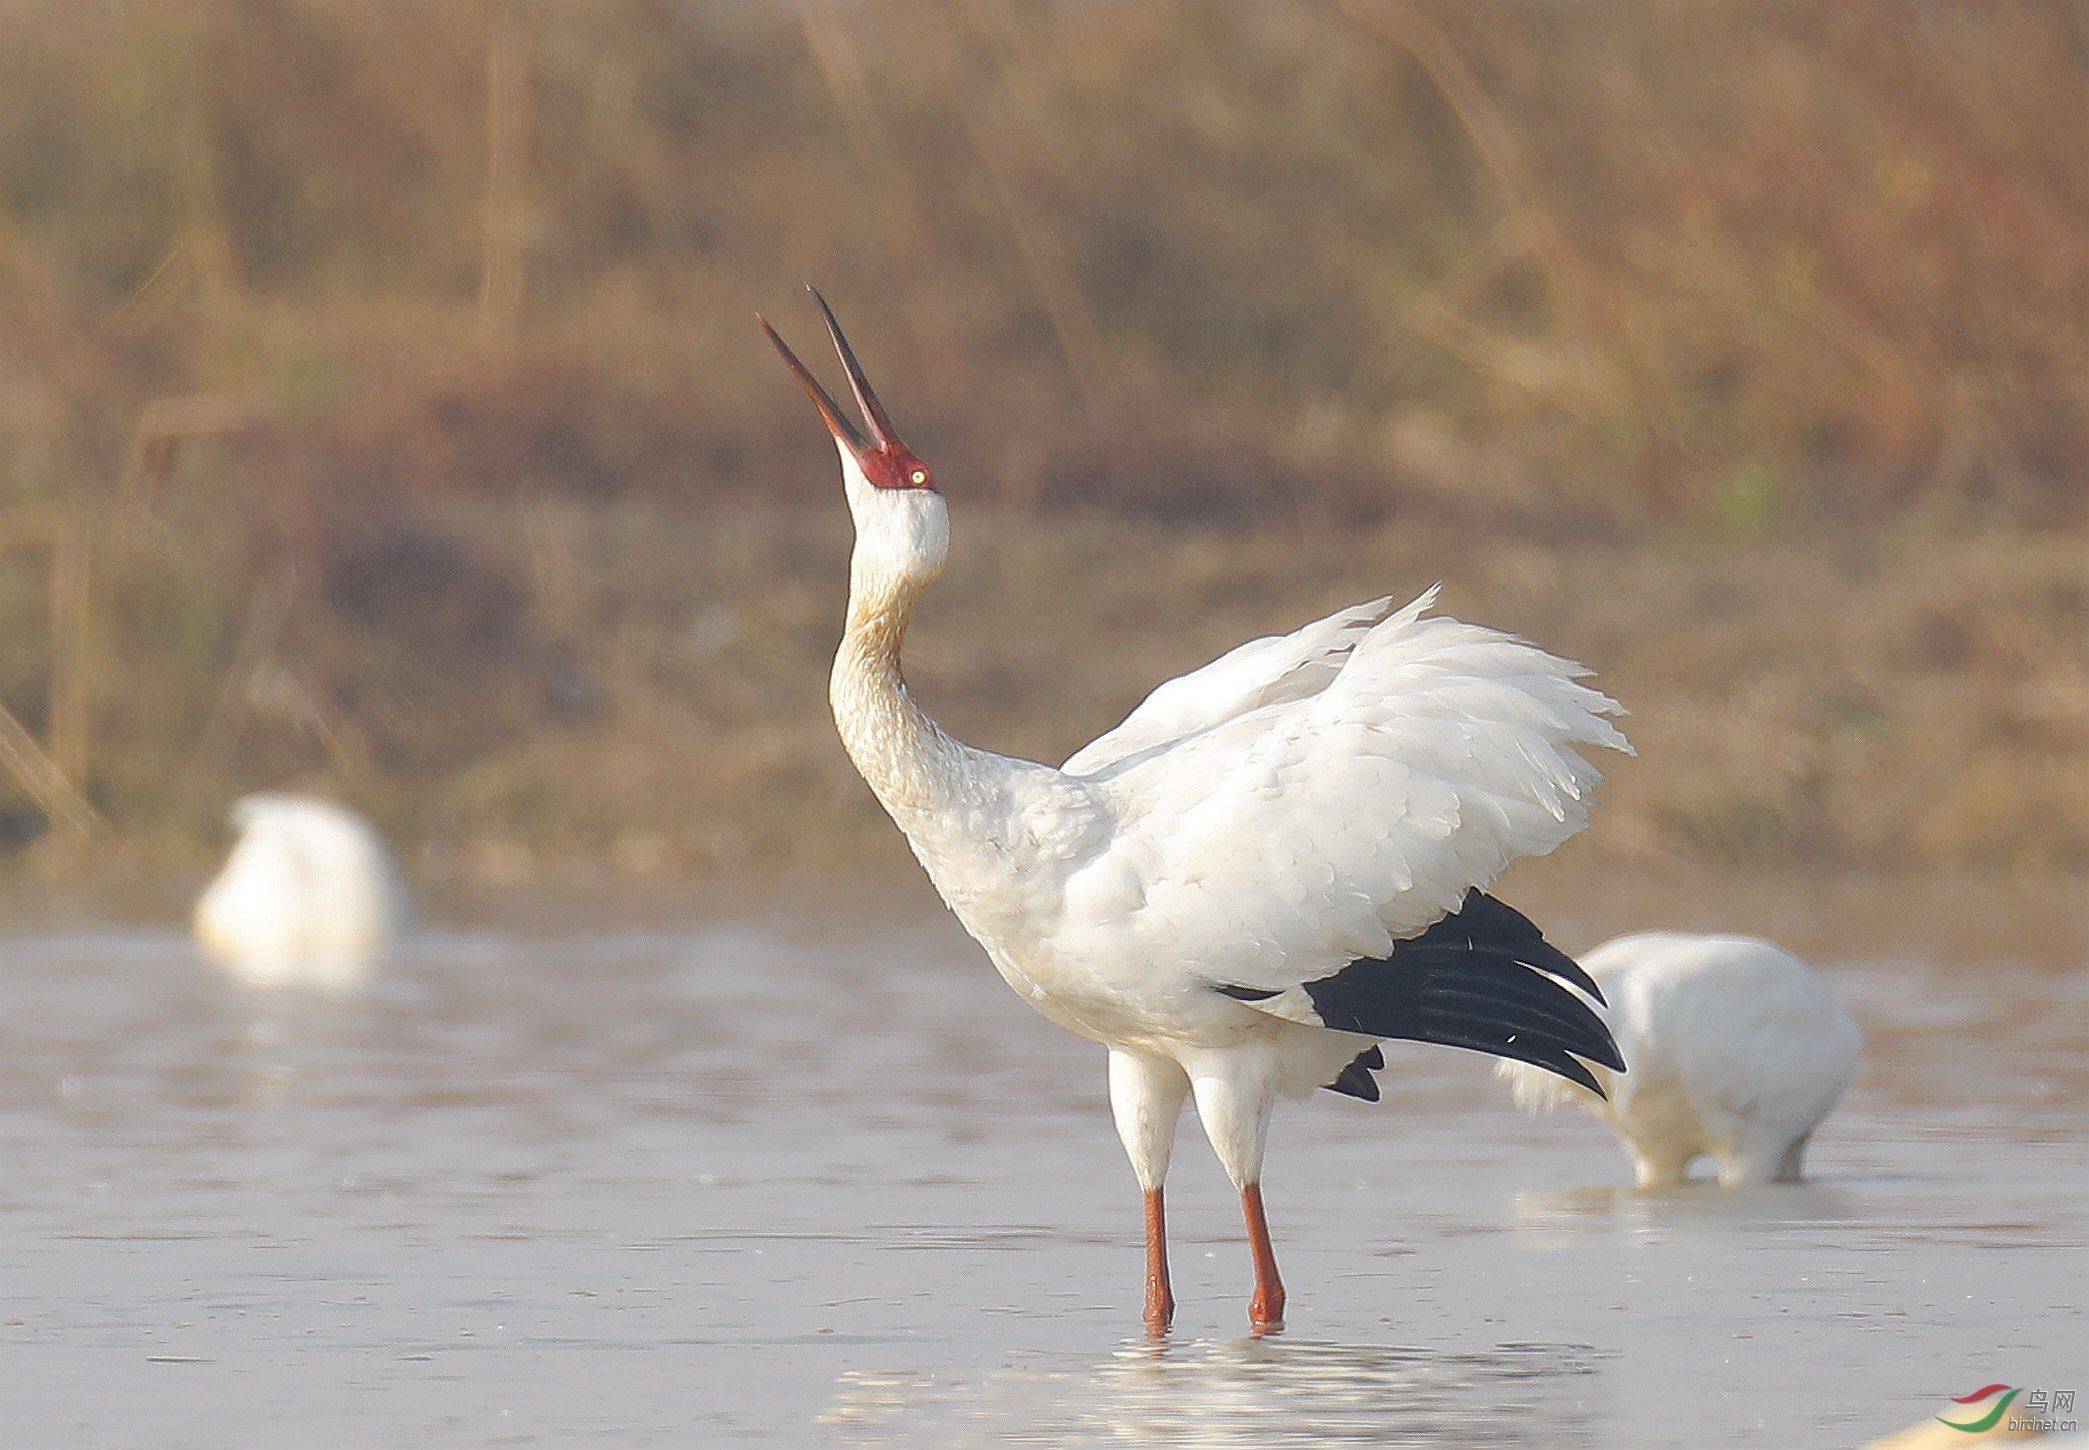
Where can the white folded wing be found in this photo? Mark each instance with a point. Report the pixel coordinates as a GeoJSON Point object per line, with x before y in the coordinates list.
{"type": "Point", "coordinates": [1311, 799]}
{"type": "Point", "coordinates": [1266, 671]}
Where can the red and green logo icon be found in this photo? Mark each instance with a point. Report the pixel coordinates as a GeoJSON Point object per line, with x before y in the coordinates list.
{"type": "Point", "coordinates": [1986, 1406]}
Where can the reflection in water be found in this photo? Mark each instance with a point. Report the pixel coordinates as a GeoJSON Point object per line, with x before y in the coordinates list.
{"type": "Point", "coordinates": [1246, 1393]}
{"type": "Point", "coordinates": [1693, 1210]}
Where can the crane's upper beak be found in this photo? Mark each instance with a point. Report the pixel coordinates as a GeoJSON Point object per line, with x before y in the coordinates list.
{"type": "Point", "coordinates": [885, 461]}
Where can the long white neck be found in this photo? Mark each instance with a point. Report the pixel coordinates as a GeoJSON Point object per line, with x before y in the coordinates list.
{"type": "Point", "coordinates": [915, 769]}
{"type": "Point", "coordinates": [994, 834]}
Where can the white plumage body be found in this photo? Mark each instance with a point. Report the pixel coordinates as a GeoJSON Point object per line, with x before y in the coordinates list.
{"type": "Point", "coordinates": [1276, 825]}
{"type": "Point", "coordinates": [310, 895]}
{"type": "Point", "coordinates": [1738, 1050]}
{"type": "Point", "coordinates": [1185, 889]}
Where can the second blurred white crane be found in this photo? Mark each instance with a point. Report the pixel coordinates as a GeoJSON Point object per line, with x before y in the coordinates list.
{"type": "Point", "coordinates": [310, 895]}
{"type": "Point", "coordinates": [1738, 1051]}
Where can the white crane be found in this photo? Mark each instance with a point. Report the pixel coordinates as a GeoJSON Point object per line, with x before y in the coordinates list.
{"type": "Point", "coordinates": [1272, 863]}
{"type": "Point", "coordinates": [309, 896]}
{"type": "Point", "coordinates": [1738, 1051]}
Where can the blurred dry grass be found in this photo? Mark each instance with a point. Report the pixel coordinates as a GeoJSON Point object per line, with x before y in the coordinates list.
{"type": "Point", "coordinates": [1895, 702]}
{"type": "Point", "coordinates": [379, 398]}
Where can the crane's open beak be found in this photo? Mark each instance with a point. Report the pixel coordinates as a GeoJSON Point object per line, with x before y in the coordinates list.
{"type": "Point", "coordinates": [882, 438]}
{"type": "Point", "coordinates": [837, 422]}
{"type": "Point", "coordinates": [886, 462]}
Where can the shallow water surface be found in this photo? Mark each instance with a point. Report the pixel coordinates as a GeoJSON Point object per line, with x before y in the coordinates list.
{"type": "Point", "coordinates": [799, 1186]}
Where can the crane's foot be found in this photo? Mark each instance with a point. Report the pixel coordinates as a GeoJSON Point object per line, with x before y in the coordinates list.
{"type": "Point", "coordinates": [1266, 1311]}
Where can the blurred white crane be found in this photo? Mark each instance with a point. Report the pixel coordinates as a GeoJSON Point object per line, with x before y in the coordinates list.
{"type": "Point", "coordinates": [1271, 864]}
{"type": "Point", "coordinates": [1738, 1051]}
{"type": "Point", "coordinates": [309, 895]}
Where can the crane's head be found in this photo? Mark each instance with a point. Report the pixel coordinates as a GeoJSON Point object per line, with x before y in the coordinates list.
{"type": "Point", "coordinates": [900, 519]}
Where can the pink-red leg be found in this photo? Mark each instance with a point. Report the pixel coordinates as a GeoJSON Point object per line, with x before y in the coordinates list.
{"type": "Point", "coordinates": [1160, 1298]}
{"type": "Point", "coordinates": [1266, 1308]}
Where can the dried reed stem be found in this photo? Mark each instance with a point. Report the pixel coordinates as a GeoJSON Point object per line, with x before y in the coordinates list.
{"type": "Point", "coordinates": [41, 779]}
{"type": "Point", "coordinates": [72, 668]}
{"type": "Point", "coordinates": [1071, 323]}
{"type": "Point", "coordinates": [1407, 28]}
{"type": "Point", "coordinates": [506, 220]}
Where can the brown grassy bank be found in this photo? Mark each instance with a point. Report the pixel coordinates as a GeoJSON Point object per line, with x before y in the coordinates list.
{"type": "Point", "coordinates": [642, 693]}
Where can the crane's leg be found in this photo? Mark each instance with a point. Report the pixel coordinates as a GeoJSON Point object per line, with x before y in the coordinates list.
{"type": "Point", "coordinates": [1236, 1089]}
{"type": "Point", "coordinates": [1146, 1094]}
{"type": "Point", "coordinates": [1266, 1307]}
{"type": "Point", "coordinates": [1160, 1295]}
{"type": "Point", "coordinates": [1654, 1168]}
{"type": "Point", "coordinates": [1758, 1157]}
{"type": "Point", "coordinates": [1791, 1167]}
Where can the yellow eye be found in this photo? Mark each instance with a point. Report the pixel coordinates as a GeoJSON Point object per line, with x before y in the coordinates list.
{"type": "Point", "coordinates": [920, 476]}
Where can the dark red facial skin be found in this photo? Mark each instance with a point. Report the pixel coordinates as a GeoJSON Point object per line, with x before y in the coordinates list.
{"type": "Point", "coordinates": [894, 467]}
{"type": "Point", "coordinates": [886, 462]}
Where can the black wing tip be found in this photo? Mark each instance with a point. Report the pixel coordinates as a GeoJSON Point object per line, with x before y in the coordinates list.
{"type": "Point", "coordinates": [1590, 1081]}
{"type": "Point", "coordinates": [1355, 1080]}
{"type": "Point", "coordinates": [1572, 1070]}
{"type": "Point", "coordinates": [1463, 999]}
{"type": "Point", "coordinates": [1483, 978]}
{"type": "Point", "coordinates": [1496, 992]}
{"type": "Point", "coordinates": [1480, 914]}
{"type": "Point", "coordinates": [1555, 1061]}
